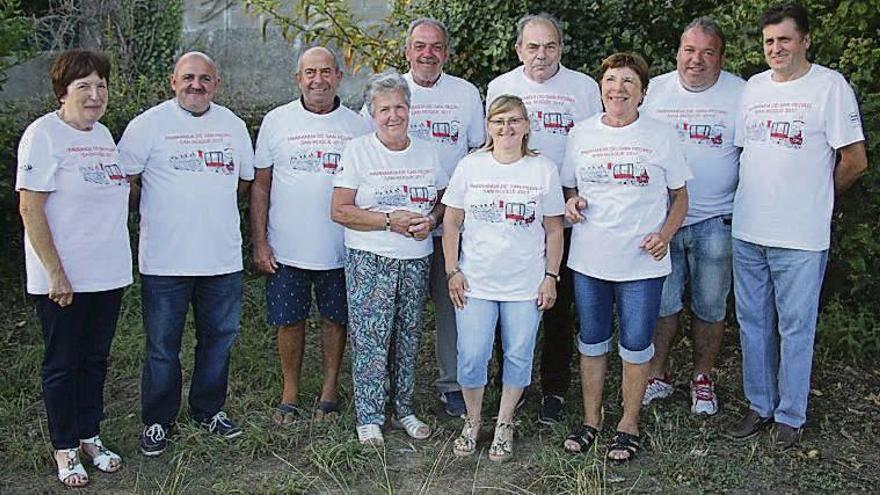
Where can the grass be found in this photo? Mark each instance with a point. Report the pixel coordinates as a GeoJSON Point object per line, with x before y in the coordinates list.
{"type": "Point", "coordinates": [681, 454]}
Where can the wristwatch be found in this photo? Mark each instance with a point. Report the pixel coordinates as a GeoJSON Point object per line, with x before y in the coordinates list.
{"type": "Point", "coordinates": [387, 222]}
{"type": "Point", "coordinates": [552, 275]}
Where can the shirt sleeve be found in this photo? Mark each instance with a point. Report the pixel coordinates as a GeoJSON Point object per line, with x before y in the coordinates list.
{"type": "Point", "coordinates": [567, 175]}
{"type": "Point", "coordinates": [348, 176]}
{"type": "Point", "coordinates": [246, 153]}
{"type": "Point", "coordinates": [455, 191]}
{"type": "Point", "coordinates": [477, 127]}
{"type": "Point", "coordinates": [553, 201]}
{"type": "Point", "coordinates": [739, 129]}
{"type": "Point", "coordinates": [264, 156]}
{"type": "Point", "coordinates": [843, 122]}
{"type": "Point", "coordinates": [36, 167]}
{"type": "Point", "coordinates": [491, 94]}
{"type": "Point", "coordinates": [135, 146]}
{"type": "Point", "coordinates": [671, 158]}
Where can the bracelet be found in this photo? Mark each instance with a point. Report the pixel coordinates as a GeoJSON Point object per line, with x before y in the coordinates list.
{"type": "Point", "coordinates": [387, 222]}
{"type": "Point", "coordinates": [453, 273]}
{"type": "Point", "coordinates": [552, 275]}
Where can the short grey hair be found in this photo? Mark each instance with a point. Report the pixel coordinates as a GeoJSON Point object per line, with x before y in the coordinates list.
{"type": "Point", "coordinates": [542, 17]}
{"type": "Point", "coordinates": [388, 81]}
{"type": "Point", "coordinates": [337, 59]}
{"type": "Point", "coordinates": [430, 21]}
{"type": "Point", "coordinates": [709, 26]}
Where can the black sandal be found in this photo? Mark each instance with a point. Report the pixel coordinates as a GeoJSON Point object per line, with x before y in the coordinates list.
{"type": "Point", "coordinates": [326, 409]}
{"type": "Point", "coordinates": [623, 442]}
{"type": "Point", "coordinates": [585, 436]}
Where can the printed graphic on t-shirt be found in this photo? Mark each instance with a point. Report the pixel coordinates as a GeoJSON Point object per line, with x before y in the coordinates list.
{"type": "Point", "coordinates": [203, 153]}
{"type": "Point", "coordinates": [515, 204]}
{"type": "Point", "coordinates": [317, 152]}
{"type": "Point", "coordinates": [701, 126]}
{"type": "Point", "coordinates": [623, 165]}
{"type": "Point", "coordinates": [435, 122]}
{"type": "Point", "coordinates": [98, 164]}
{"type": "Point", "coordinates": [423, 197]}
{"type": "Point", "coordinates": [782, 124]}
{"type": "Point", "coordinates": [550, 113]}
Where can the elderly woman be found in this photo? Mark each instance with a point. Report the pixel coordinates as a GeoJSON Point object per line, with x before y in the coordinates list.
{"type": "Point", "coordinates": [505, 204]}
{"type": "Point", "coordinates": [387, 197]}
{"type": "Point", "coordinates": [74, 205]}
{"type": "Point", "coordinates": [624, 178]}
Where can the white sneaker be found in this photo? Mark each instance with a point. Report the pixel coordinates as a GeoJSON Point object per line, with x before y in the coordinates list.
{"type": "Point", "coordinates": [703, 399]}
{"type": "Point", "coordinates": [658, 388]}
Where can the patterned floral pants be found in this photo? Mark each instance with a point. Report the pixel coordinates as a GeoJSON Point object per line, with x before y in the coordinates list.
{"type": "Point", "coordinates": [386, 300]}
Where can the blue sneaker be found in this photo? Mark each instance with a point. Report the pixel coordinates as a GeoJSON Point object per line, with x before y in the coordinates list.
{"type": "Point", "coordinates": [454, 402]}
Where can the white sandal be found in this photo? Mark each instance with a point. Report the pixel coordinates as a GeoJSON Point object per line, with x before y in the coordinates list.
{"type": "Point", "coordinates": [71, 467]}
{"type": "Point", "coordinates": [105, 458]}
{"type": "Point", "coordinates": [414, 427]}
{"type": "Point", "coordinates": [502, 444]}
{"type": "Point", "coordinates": [370, 435]}
{"type": "Point", "coordinates": [466, 443]}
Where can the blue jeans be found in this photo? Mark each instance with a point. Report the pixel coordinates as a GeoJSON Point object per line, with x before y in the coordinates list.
{"type": "Point", "coordinates": [701, 256]}
{"type": "Point", "coordinates": [476, 336]}
{"type": "Point", "coordinates": [638, 304]}
{"type": "Point", "coordinates": [216, 302]}
{"type": "Point", "coordinates": [777, 304]}
{"type": "Point", "coordinates": [77, 342]}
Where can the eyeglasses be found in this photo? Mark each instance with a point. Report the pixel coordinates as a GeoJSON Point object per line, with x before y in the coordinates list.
{"type": "Point", "coordinates": [513, 122]}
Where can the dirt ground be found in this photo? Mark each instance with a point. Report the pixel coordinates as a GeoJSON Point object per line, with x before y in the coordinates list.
{"type": "Point", "coordinates": [681, 453]}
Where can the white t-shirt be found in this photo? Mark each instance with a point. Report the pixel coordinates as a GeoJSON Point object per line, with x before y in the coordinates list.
{"type": "Point", "coordinates": [386, 181]}
{"type": "Point", "coordinates": [789, 132]}
{"type": "Point", "coordinates": [448, 115]}
{"type": "Point", "coordinates": [190, 169]}
{"type": "Point", "coordinates": [554, 105]}
{"type": "Point", "coordinates": [303, 149]}
{"type": "Point", "coordinates": [705, 122]}
{"type": "Point", "coordinates": [624, 173]}
{"type": "Point", "coordinates": [503, 240]}
{"type": "Point", "coordinates": [87, 208]}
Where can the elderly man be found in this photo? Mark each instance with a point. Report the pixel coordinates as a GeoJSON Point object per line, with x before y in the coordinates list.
{"type": "Point", "coordinates": [700, 101]}
{"type": "Point", "coordinates": [190, 156]}
{"type": "Point", "coordinates": [556, 98]}
{"type": "Point", "coordinates": [801, 134]}
{"type": "Point", "coordinates": [295, 243]}
{"type": "Point", "coordinates": [447, 112]}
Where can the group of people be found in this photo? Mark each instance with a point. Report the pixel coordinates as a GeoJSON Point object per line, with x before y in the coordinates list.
{"type": "Point", "coordinates": [605, 198]}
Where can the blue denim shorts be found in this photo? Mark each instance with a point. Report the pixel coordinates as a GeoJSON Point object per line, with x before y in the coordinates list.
{"type": "Point", "coordinates": [289, 295]}
{"type": "Point", "coordinates": [637, 303]}
{"type": "Point", "coordinates": [701, 255]}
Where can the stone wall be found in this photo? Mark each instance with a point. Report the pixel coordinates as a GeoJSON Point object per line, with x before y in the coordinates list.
{"type": "Point", "coordinates": [253, 70]}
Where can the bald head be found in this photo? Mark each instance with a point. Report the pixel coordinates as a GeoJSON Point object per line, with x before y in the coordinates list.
{"type": "Point", "coordinates": [195, 82]}
{"type": "Point", "coordinates": [317, 53]}
{"type": "Point", "coordinates": [318, 77]}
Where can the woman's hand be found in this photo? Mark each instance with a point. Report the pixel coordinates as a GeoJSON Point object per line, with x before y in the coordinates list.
{"type": "Point", "coordinates": [547, 294]}
{"type": "Point", "coordinates": [60, 290]}
{"type": "Point", "coordinates": [573, 208]}
{"type": "Point", "coordinates": [401, 221]}
{"type": "Point", "coordinates": [458, 286]}
{"type": "Point", "coordinates": [421, 227]}
{"type": "Point", "coordinates": [656, 245]}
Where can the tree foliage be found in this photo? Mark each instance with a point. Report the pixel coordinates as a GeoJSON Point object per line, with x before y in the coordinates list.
{"type": "Point", "coordinates": [15, 33]}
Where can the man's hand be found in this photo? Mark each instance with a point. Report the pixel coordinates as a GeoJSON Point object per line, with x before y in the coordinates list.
{"type": "Point", "coordinates": [60, 290]}
{"type": "Point", "coordinates": [655, 245]}
{"type": "Point", "coordinates": [573, 208]}
{"type": "Point", "coordinates": [264, 258]}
